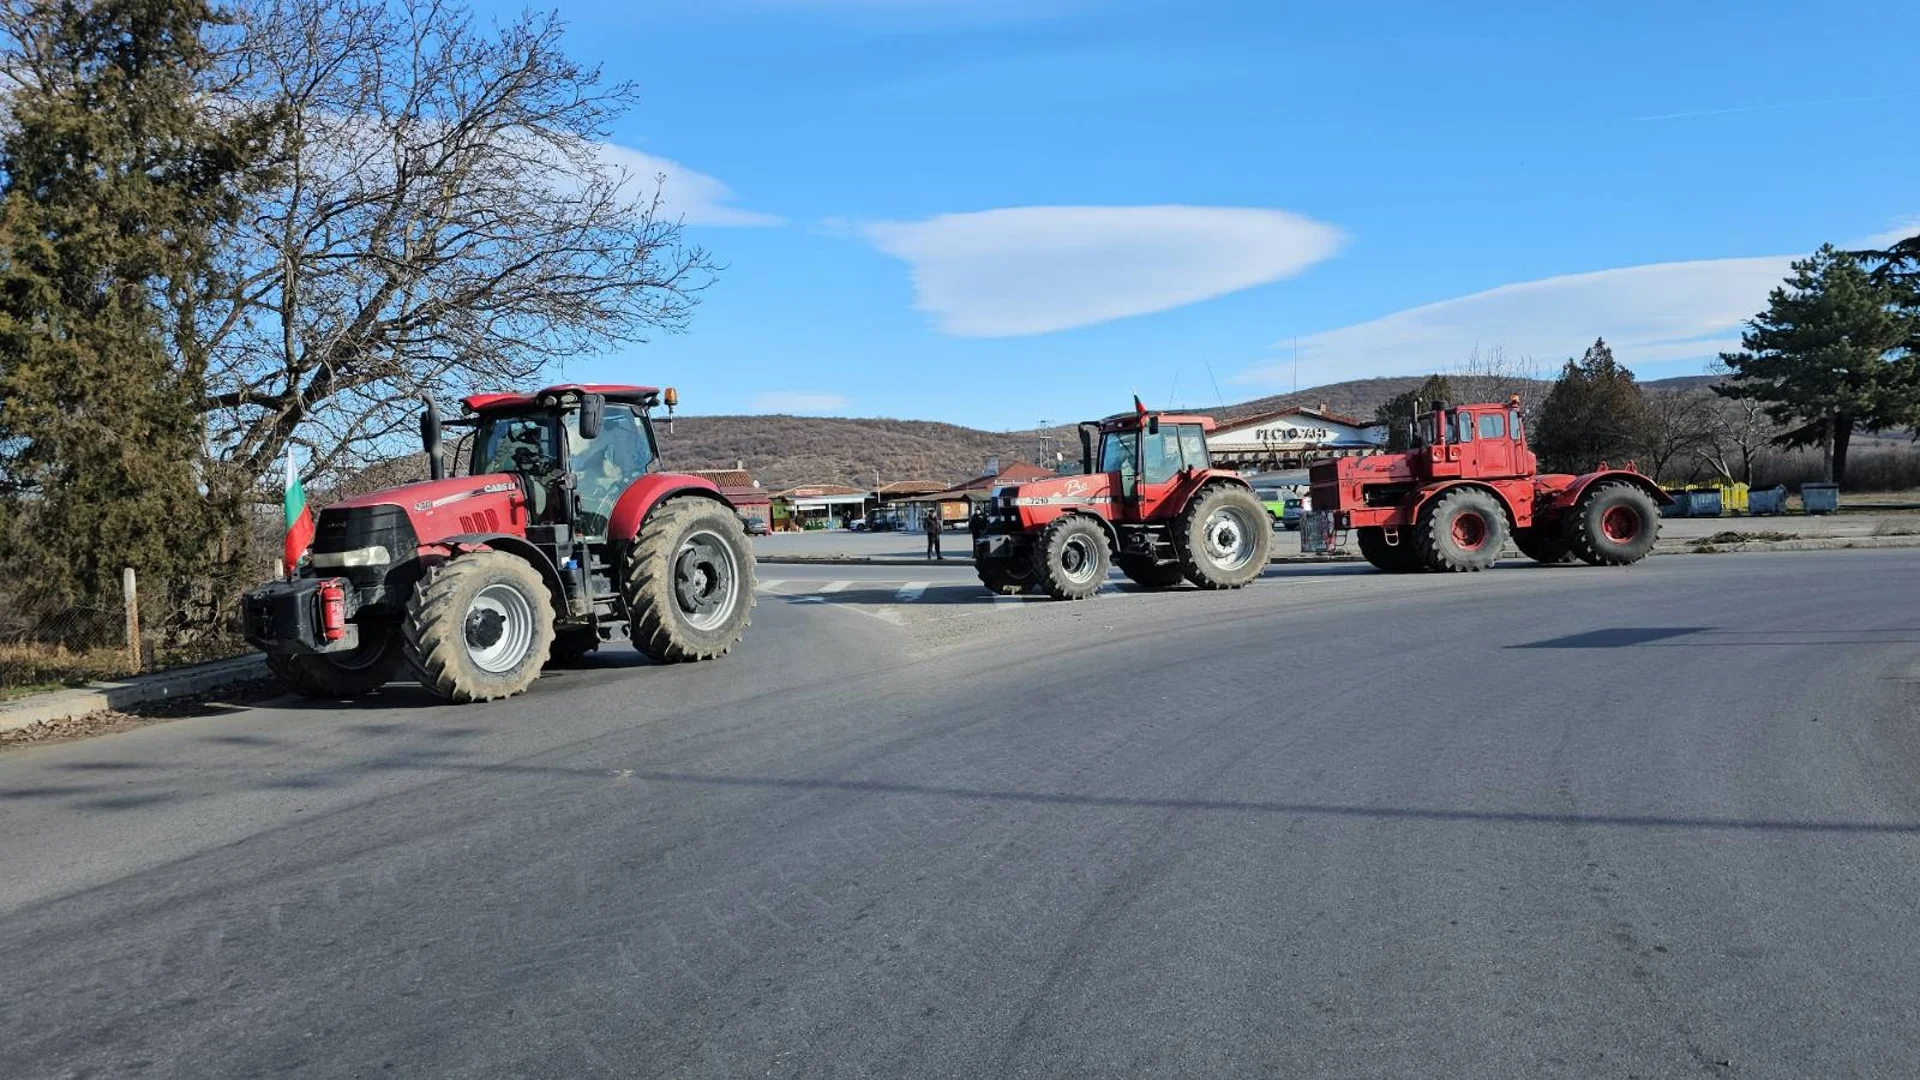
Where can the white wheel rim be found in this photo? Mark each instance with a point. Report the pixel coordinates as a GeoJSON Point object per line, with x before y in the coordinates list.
{"type": "Point", "coordinates": [1079, 560]}
{"type": "Point", "coordinates": [706, 580]}
{"type": "Point", "coordinates": [1228, 536]}
{"type": "Point", "coordinates": [498, 628]}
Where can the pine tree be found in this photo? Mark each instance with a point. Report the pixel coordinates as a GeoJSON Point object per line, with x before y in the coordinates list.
{"type": "Point", "coordinates": [1826, 356]}
{"type": "Point", "coordinates": [1594, 413]}
{"type": "Point", "coordinates": [1394, 413]}
{"type": "Point", "coordinates": [113, 175]}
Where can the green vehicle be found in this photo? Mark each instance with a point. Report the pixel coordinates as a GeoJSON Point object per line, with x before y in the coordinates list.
{"type": "Point", "coordinates": [1282, 505]}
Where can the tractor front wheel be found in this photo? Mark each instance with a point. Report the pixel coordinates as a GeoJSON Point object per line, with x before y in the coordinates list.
{"type": "Point", "coordinates": [479, 627]}
{"type": "Point", "coordinates": [1395, 558]}
{"type": "Point", "coordinates": [1072, 558]}
{"type": "Point", "coordinates": [1461, 530]}
{"type": "Point", "coordinates": [341, 675]}
{"type": "Point", "coordinates": [1615, 524]}
{"type": "Point", "coordinates": [1148, 572]}
{"type": "Point", "coordinates": [689, 581]}
{"type": "Point", "coordinates": [1224, 538]}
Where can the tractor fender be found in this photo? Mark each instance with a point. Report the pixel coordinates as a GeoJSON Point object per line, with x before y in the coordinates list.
{"type": "Point", "coordinates": [645, 494]}
{"type": "Point", "coordinates": [450, 546]}
{"type": "Point", "coordinates": [1428, 494]}
{"type": "Point", "coordinates": [1569, 496]}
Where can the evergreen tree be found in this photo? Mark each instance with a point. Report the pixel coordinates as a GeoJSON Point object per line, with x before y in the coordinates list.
{"type": "Point", "coordinates": [113, 175]}
{"type": "Point", "coordinates": [1594, 413]}
{"type": "Point", "coordinates": [1395, 412]}
{"type": "Point", "coordinates": [1827, 356]}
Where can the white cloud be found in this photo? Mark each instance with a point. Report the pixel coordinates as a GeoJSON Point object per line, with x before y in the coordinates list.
{"type": "Point", "coordinates": [699, 198]}
{"type": "Point", "coordinates": [1035, 269]}
{"type": "Point", "coordinates": [799, 401]}
{"type": "Point", "coordinates": [1903, 227]}
{"type": "Point", "coordinates": [1658, 312]}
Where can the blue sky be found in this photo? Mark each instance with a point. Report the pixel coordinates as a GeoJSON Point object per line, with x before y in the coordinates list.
{"type": "Point", "coordinates": [994, 212]}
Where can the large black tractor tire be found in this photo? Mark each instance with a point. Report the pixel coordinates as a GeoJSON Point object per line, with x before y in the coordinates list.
{"type": "Point", "coordinates": [1543, 544]}
{"type": "Point", "coordinates": [1461, 530]}
{"type": "Point", "coordinates": [479, 627]}
{"type": "Point", "coordinates": [688, 581]}
{"type": "Point", "coordinates": [1070, 560]}
{"type": "Point", "coordinates": [335, 676]}
{"type": "Point", "coordinates": [1395, 558]}
{"type": "Point", "coordinates": [1005, 577]}
{"type": "Point", "coordinates": [1615, 524]}
{"type": "Point", "coordinates": [1223, 538]}
{"type": "Point", "coordinates": [572, 645]}
{"type": "Point", "coordinates": [1149, 572]}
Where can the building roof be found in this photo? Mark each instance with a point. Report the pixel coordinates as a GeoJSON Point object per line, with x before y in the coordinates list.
{"type": "Point", "coordinates": [725, 478]}
{"type": "Point", "coordinates": [910, 487]}
{"type": "Point", "coordinates": [815, 491]}
{"type": "Point", "coordinates": [1258, 419]}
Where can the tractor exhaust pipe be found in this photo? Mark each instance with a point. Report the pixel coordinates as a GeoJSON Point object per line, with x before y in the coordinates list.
{"type": "Point", "coordinates": [1086, 450]}
{"type": "Point", "coordinates": [430, 440]}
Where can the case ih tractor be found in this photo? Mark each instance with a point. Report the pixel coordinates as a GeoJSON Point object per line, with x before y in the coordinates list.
{"type": "Point", "coordinates": [563, 534]}
{"type": "Point", "coordinates": [1467, 483]}
{"type": "Point", "coordinates": [1149, 497]}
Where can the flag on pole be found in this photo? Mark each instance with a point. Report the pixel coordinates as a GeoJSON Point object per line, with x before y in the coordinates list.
{"type": "Point", "coordinates": [299, 517]}
{"type": "Point", "coordinates": [1138, 408]}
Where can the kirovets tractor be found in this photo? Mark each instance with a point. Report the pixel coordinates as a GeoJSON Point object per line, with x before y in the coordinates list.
{"type": "Point", "coordinates": [1466, 484]}
{"type": "Point", "coordinates": [561, 533]}
{"type": "Point", "coordinates": [1147, 498]}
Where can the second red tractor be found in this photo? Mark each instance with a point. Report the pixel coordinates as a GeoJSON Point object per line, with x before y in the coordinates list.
{"type": "Point", "coordinates": [1466, 484]}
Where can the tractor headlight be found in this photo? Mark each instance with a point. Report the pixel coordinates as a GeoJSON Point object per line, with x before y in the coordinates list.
{"type": "Point", "coordinates": [358, 557]}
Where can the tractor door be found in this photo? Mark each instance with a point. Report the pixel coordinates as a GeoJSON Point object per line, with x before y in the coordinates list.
{"type": "Point", "coordinates": [1170, 456]}
{"type": "Point", "coordinates": [1120, 457]}
{"type": "Point", "coordinates": [1493, 453]}
{"type": "Point", "coordinates": [605, 465]}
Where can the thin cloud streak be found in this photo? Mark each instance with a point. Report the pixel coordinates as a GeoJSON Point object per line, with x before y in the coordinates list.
{"type": "Point", "coordinates": [1775, 105]}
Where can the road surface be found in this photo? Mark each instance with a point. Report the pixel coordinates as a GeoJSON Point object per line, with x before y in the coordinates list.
{"type": "Point", "coordinates": [1654, 822]}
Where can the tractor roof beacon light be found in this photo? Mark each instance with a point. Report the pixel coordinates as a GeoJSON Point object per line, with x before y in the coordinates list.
{"type": "Point", "coordinates": [672, 398]}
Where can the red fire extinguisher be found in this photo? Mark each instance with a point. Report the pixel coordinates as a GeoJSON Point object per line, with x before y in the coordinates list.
{"type": "Point", "coordinates": [333, 610]}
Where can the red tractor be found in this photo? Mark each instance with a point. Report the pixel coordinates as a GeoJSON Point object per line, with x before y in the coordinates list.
{"type": "Point", "coordinates": [1465, 485]}
{"type": "Point", "coordinates": [1150, 497]}
{"type": "Point", "coordinates": [562, 534]}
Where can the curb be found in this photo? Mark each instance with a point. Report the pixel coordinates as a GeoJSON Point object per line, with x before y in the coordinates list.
{"type": "Point", "coordinates": [60, 705]}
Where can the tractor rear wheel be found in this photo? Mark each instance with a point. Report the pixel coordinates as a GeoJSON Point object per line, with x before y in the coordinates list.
{"type": "Point", "coordinates": [340, 675]}
{"type": "Point", "coordinates": [1149, 572]}
{"type": "Point", "coordinates": [479, 627]}
{"type": "Point", "coordinates": [1071, 559]}
{"type": "Point", "coordinates": [689, 581]}
{"type": "Point", "coordinates": [1461, 530]}
{"type": "Point", "coordinates": [1615, 524]}
{"type": "Point", "coordinates": [1396, 558]}
{"type": "Point", "coordinates": [1223, 537]}
{"type": "Point", "coordinates": [1543, 544]}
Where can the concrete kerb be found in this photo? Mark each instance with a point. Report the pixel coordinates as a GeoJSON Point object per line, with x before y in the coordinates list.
{"type": "Point", "coordinates": [57, 705]}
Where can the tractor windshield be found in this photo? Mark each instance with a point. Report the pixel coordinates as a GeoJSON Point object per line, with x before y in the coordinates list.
{"type": "Point", "coordinates": [521, 443]}
{"type": "Point", "coordinates": [1117, 451]}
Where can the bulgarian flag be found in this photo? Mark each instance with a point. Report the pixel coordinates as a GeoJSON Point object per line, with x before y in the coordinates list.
{"type": "Point", "coordinates": [299, 518]}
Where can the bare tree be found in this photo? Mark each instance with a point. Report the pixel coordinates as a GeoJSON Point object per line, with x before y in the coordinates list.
{"type": "Point", "coordinates": [440, 219]}
{"type": "Point", "coordinates": [1678, 429]}
{"type": "Point", "coordinates": [1495, 373]}
{"type": "Point", "coordinates": [1740, 435]}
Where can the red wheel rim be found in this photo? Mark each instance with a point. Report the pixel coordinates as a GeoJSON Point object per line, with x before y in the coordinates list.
{"type": "Point", "coordinates": [1469, 531]}
{"type": "Point", "coordinates": [1620, 524]}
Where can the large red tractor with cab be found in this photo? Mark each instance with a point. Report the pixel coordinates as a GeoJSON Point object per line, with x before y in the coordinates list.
{"type": "Point", "coordinates": [562, 533]}
{"type": "Point", "coordinates": [1149, 498]}
{"type": "Point", "coordinates": [1466, 484]}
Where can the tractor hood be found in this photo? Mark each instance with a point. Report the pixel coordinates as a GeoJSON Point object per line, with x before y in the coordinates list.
{"type": "Point", "coordinates": [1057, 491]}
{"type": "Point", "coordinates": [432, 494]}
{"type": "Point", "coordinates": [457, 505]}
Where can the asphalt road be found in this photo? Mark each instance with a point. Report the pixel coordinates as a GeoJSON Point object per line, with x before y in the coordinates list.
{"type": "Point", "coordinates": [1653, 822]}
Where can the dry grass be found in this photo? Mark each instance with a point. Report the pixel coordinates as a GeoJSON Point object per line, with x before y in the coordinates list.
{"type": "Point", "coordinates": [26, 668]}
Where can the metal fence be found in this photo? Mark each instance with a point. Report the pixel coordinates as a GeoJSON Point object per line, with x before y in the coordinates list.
{"type": "Point", "coordinates": [148, 630]}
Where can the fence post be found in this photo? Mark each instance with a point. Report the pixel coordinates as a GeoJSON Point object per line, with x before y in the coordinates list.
{"type": "Point", "coordinates": [130, 589]}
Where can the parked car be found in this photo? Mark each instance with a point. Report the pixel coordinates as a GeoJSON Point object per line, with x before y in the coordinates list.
{"type": "Point", "coordinates": [756, 526]}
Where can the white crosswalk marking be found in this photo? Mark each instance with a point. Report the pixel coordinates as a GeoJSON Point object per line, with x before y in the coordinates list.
{"type": "Point", "coordinates": [911, 591]}
{"type": "Point", "coordinates": [835, 586]}
{"type": "Point", "coordinates": [769, 583]}
{"type": "Point", "coordinates": [1008, 601]}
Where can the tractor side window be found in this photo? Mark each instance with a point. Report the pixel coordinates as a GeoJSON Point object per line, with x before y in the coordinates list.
{"type": "Point", "coordinates": [1519, 434]}
{"type": "Point", "coordinates": [1160, 457]}
{"type": "Point", "coordinates": [607, 463]}
{"type": "Point", "coordinates": [1193, 446]}
{"type": "Point", "coordinates": [1463, 427]}
{"type": "Point", "coordinates": [1116, 452]}
{"type": "Point", "coordinates": [1493, 425]}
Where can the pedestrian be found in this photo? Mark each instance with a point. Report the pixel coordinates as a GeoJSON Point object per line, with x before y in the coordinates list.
{"type": "Point", "coordinates": [932, 525]}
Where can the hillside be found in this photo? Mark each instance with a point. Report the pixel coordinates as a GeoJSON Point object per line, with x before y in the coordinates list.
{"type": "Point", "coordinates": [784, 451]}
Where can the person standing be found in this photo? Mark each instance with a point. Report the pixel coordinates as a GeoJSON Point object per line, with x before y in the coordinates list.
{"type": "Point", "coordinates": [932, 525]}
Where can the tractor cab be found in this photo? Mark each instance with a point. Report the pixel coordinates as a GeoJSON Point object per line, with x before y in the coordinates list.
{"type": "Point", "coordinates": [1470, 441]}
{"type": "Point", "coordinates": [574, 449]}
{"type": "Point", "coordinates": [1149, 456]}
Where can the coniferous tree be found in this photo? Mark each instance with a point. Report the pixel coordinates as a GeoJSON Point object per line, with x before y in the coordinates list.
{"type": "Point", "coordinates": [114, 171]}
{"type": "Point", "coordinates": [1828, 355]}
{"type": "Point", "coordinates": [1396, 412]}
{"type": "Point", "coordinates": [1594, 413]}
